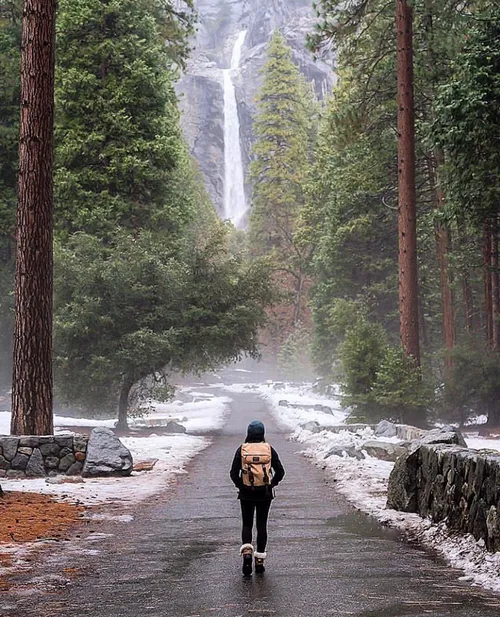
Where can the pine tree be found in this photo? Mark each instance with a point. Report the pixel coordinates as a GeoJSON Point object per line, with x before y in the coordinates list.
{"type": "Point", "coordinates": [117, 132]}
{"type": "Point", "coordinates": [407, 208]}
{"type": "Point", "coordinates": [283, 130]}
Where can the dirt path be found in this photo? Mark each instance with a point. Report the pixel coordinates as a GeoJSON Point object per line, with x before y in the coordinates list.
{"type": "Point", "coordinates": [179, 557]}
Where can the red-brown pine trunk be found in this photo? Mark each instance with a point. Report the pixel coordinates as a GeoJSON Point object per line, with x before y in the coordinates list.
{"type": "Point", "coordinates": [447, 300]}
{"type": "Point", "coordinates": [443, 246]}
{"type": "Point", "coordinates": [32, 370]}
{"type": "Point", "coordinates": [407, 228]}
{"type": "Point", "coordinates": [468, 302]}
{"type": "Point", "coordinates": [488, 305]}
{"type": "Point", "coordinates": [495, 290]}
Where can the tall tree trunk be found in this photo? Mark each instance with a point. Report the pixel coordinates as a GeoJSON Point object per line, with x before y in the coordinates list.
{"type": "Point", "coordinates": [488, 306]}
{"type": "Point", "coordinates": [443, 245]}
{"type": "Point", "coordinates": [447, 300]}
{"type": "Point", "coordinates": [495, 290]}
{"type": "Point", "coordinates": [298, 299]}
{"type": "Point", "coordinates": [470, 318]}
{"type": "Point", "coordinates": [468, 302]}
{"type": "Point", "coordinates": [407, 228]}
{"type": "Point", "coordinates": [123, 403]}
{"type": "Point", "coordinates": [32, 360]}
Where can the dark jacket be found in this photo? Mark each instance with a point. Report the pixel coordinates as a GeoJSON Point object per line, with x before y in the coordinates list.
{"type": "Point", "coordinates": [258, 493]}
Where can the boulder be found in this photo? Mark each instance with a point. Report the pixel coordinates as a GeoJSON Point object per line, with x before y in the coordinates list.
{"type": "Point", "coordinates": [312, 426]}
{"type": "Point", "coordinates": [64, 441]}
{"type": "Point", "coordinates": [323, 408]}
{"type": "Point", "coordinates": [20, 461]}
{"type": "Point", "coordinates": [406, 432]}
{"type": "Point", "coordinates": [447, 434]}
{"type": "Point", "coordinates": [343, 451]}
{"type": "Point", "coordinates": [385, 429]}
{"type": "Point", "coordinates": [35, 467]}
{"type": "Point", "coordinates": [174, 427]}
{"type": "Point", "coordinates": [106, 455]}
{"type": "Point", "coordinates": [75, 469]}
{"type": "Point", "coordinates": [9, 447]}
{"type": "Point", "coordinates": [80, 443]}
{"type": "Point", "coordinates": [28, 441]}
{"type": "Point", "coordinates": [49, 449]}
{"type": "Point", "coordinates": [283, 403]}
{"type": "Point", "coordinates": [402, 491]}
{"type": "Point", "coordinates": [383, 450]}
{"type": "Point", "coordinates": [51, 462]}
{"type": "Point", "coordinates": [66, 462]}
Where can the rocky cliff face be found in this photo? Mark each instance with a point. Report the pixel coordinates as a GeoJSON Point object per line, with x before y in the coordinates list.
{"type": "Point", "coordinates": [201, 88]}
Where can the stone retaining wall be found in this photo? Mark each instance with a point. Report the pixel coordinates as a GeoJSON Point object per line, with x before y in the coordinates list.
{"type": "Point", "coordinates": [34, 456]}
{"type": "Point", "coordinates": [453, 484]}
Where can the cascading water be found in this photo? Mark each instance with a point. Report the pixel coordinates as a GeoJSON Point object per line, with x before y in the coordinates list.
{"type": "Point", "coordinates": [235, 207]}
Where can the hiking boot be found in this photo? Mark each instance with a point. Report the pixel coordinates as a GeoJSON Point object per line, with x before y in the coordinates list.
{"type": "Point", "coordinates": [247, 551]}
{"type": "Point", "coordinates": [259, 562]}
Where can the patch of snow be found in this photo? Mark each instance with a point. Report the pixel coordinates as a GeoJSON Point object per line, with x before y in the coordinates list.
{"type": "Point", "coordinates": [106, 516]}
{"type": "Point", "coordinates": [364, 484]}
{"type": "Point", "coordinates": [482, 443]}
{"type": "Point", "coordinates": [198, 416]}
{"type": "Point", "coordinates": [300, 395]}
{"type": "Point", "coordinates": [172, 451]}
{"type": "Point", "coordinates": [4, 422]}
{"type": "Point", "coordinates": [60, 421]}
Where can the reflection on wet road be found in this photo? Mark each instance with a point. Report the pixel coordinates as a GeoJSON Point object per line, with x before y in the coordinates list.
{"type": "Point", "coordinates": [179, 557]}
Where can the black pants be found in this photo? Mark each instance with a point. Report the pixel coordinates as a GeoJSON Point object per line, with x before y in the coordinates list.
{"type": "Point", "coordinates": [261, 508]}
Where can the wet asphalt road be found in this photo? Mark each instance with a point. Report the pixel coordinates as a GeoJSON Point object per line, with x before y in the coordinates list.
{"type": "Point", "coordinates": [179, 557]}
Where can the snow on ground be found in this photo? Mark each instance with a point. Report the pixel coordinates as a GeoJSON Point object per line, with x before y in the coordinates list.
{"type": "Point", "coordinates": [290, 417]}
{"type": "Point", "coordinates": [172, 451]}
{"type": "Point", "coordinates": [364, 482]}
{"type": "Point", "coordinates": [199, 413]}
{"type": "Point", "coordinates": [482, 443]}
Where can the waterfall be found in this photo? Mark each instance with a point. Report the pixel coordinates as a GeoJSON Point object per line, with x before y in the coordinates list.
{"type": "Point", "coordinates": [235, 207]}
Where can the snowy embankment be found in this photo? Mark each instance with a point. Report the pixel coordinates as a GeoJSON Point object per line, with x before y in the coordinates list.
{"type": "Point", "coordinates": [364, 482]}
{"type": "Point", "coordinates": [198, 413]}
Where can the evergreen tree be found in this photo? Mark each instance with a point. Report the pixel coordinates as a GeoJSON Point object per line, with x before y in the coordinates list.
{"type": "Point", "coordinates": [143, 309]}
{"type": "Point", "coordinates": [283, 130]}
{"type": "Point", "coordinates": [117, 131]}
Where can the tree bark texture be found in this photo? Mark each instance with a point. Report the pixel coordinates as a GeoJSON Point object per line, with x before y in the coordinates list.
{"type": "Point", "coordinates": [407, 228]}
{"type": "Point", "coordinates": [32, 361]}
{"type": "Point", "coordinates": [488, 306]}
{"type": "Point", "coordinates": [443, 246]}
{"type": "Point", "coordinates": [495, 286]}
{"type": "Point", "coordinates": [468, 302]}
{"type": "Point", "coordinates": [123, 403]}
{"type": "Point", "coordinates": [447, 300]}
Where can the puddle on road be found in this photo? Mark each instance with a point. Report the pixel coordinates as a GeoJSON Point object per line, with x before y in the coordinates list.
{"type": "Point", "coordinates": [363, 525]}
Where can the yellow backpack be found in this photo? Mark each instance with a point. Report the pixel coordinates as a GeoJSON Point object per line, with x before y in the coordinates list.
{"type": "Point", "coordinates": [256, 464]}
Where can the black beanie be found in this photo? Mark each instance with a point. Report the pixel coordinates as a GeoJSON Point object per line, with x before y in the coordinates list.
{"type": "Point", "coordinates": [255, 431]}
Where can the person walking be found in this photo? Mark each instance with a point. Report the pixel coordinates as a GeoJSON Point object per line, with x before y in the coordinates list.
{"type": "Point", "coordinates": [256, 471]}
